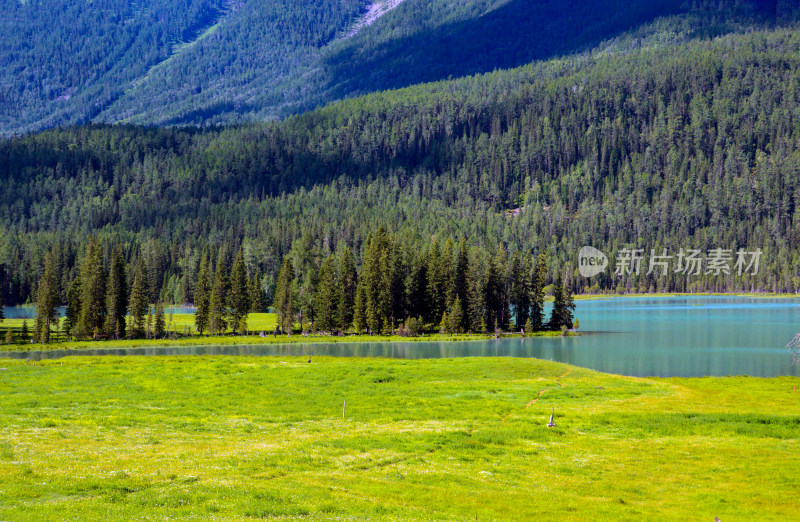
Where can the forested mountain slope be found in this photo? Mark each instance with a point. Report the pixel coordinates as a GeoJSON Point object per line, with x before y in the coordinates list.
{"type": "Point", "coordinates": [218, 61]}
{"type": "Point", "coordinates": [695, 146]}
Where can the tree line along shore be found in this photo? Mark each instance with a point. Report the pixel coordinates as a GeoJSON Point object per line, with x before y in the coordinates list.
{"type": "Point", "coordinates": [450, 289]}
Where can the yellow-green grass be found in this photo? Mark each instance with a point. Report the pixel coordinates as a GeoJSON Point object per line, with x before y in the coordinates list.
{"type": "Point", "coordinates": [254, 340]}
{"type": "Point", "coordinates": [448, 439]}
{"type": "Point", "coordinates": [256, 322]}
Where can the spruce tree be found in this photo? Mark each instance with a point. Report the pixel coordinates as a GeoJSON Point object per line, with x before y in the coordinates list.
{"type": "Point", "coordinates": [360, 307]}
{"type": "Point", "coordinates": [476, 300]}
{"type": "Point", "coordinates": [460, 283]}
{"type": "Point", "coordinates": [48, 298]}
{"type": "Point", "coordinates": [563, 306]}
{"type": "Point", "coordinates": [520, 289]}
{"type": "Point", "coordinates": [218, 302]}
{"type": "Point", "coordinates": [376, 275]}
{"type": "Point", "coordinates": [284, 296]}
{"type": "Point", "coordinates": [239, 298]}
{"type": "Point", "coordinates": [116, 297]}
{"type": "Point", "coordinates": [538, 282]}
{"type": "Point", "coordinates": [93, 292]}
{"type": "Point", "coordinates": [456, 317]}
{"type": "Point", "coordinates": [256, 294]}
{"type": "Point", "coordinates": [138, 305]}
{"type": "Point", "coordinates": [202, 295]}
{"type": "Point", "coordinates": [159, 328]}
{"type": "Point", "coordinates": [325, 296]}
{"type": "Point", "coordinates": [436, 295]}
{"type": "Point", "coordinates": [347, 283]}
{"type": "Point", "coordinates": [73, 306]}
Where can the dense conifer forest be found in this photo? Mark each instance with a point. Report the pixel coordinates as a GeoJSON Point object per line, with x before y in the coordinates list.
{"type": "Point", "coordinates": [398, 290]}
{"type": "Point", "coordinates": [656, 149]}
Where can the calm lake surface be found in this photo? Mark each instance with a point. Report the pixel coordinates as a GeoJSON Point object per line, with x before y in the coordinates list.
{"type": "Point", "coordinates": [639, 336]}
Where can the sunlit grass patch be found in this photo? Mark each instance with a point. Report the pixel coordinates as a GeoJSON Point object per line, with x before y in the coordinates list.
{"type": "Point", "coordinates": [251, 437]}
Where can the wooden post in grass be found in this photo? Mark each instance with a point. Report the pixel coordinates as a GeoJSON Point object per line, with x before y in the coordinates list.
{"type": "Point", "coordinates": [344, 406]}
{"type": "Point", "coordinates": [551, 424]}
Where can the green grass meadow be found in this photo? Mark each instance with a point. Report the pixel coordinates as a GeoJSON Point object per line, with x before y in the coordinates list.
{"type": "Point", "coordinates": [233, 438]}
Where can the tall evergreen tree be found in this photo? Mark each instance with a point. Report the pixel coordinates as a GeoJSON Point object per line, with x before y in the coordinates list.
{"type": "Point", "coordinates": [239, 298]}
{"type": "Point", "coordinates": [325, 296]}
{"type": "Point", "coordinates": [538, 282]}
{"type": "Point", "coordinates": [93, 292]}
{"type": "Point", "coordinates": [202, 295]}
{"type": "Point", "coordinates": [256, 294]}
{"type": "Point", "coordinates": [219, 300]}
{"type": "Point", "coordinates": [48, 298]}
{"type": "Point", "coordinates": [159, 325]}
{"type": "Point", "coordinates": [376, 275]}
{"type": "Point", "coordinates": [138, 305]}
{"type": "Point", "coordinates": [73, 306]}
{"type": "Point", "coordinates": [416, 287]}
{"type": "Point", "coordinates": [476, 301]}
{"type": "Point", "coordinates": [460, 284]}
{"type": "Point", "coordinates": [563, 306]}
{"type": "Point", "coordinates": [360, 307]}
{"type": "Point", "coordinates": [436, 291]}
{"type": "Point", "coordinates": [456, 317]}
{"type": "Point", "coordinates": [347, 283]}
{"type": "Point", "coordinates": [116, 297]}
{"type": "Point", "coordinates": [520, 289]}
{"type": "Point", "coordinates": [284, 296]}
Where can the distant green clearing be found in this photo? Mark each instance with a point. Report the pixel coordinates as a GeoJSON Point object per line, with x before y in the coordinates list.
{"type": "Point", "coordinates": [448, 439]}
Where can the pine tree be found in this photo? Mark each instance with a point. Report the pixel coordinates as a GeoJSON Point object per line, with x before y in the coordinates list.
{"type": "Point", "coordinates": [138, 305]}
{"type": "Point", "coordinates": [159, 328]}
{"type": "Point", "coordinates": [538, 281]}
{"type": "Point", "coordinates": [48, 297]}
{"type": "Point", "coordinates": [325, 296]}
{"type": "Point", "coordinates": [239, 298]}
{"type": "Point", "coordinates": [347, 283]}
{"type": "Point", "coordinates": [93, 292]}
{"type": "Point", "coordinates": [116, 297]}
{"type": "Point", "coordinates": [218, 302]}
{"type": "Point", "coordinates": [202, 295]}
{"type": "Point", "coordinates": [284, 296]}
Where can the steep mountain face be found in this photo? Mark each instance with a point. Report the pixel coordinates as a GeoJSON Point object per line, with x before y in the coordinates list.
{"type": "Point", "coordinates": [218, 61]}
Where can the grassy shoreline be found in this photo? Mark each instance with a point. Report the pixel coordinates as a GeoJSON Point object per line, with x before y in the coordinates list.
{"type": "Point", "coordinates": [243, 437]}
{"type": "Point", "coordinates": [256, 340]}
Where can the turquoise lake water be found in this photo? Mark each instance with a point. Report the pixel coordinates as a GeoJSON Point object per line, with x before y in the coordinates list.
{"type": "Point", "coordinates": [640, 336]}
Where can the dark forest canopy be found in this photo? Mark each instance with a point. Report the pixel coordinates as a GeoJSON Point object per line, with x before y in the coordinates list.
{"type": "Point", "coordinates": [693, 146]}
